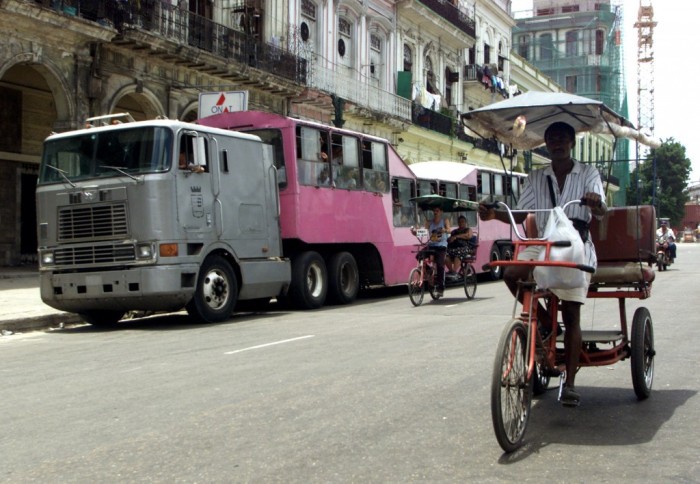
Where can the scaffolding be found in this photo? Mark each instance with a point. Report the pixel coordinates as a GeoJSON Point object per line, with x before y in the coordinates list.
{"type": "Point", "coordinates": [645, 69]}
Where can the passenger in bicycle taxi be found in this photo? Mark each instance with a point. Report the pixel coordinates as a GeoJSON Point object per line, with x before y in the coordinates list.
{"type": "Point", "coordinates": [438, 228]}
{"type": "Point", "coordinates": [564, 180]}
{"type": "Point", "coordinates": [459, 244]}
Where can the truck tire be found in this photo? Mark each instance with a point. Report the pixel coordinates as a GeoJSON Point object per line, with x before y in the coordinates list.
{"type": "Point", "coordinates": [102, 318]}
{"type": "Point", "coordinates": [216, 292]}
{"type": "Point", "coordinates": [309, 284]}
{"type": "Point", "coordinates": [496, 272]}
{"type": "Point", "coordinates": [343, 278]}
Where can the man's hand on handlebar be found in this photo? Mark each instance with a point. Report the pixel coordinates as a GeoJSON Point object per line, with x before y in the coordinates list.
{"type": "Point", "coordinates": [594, 202]}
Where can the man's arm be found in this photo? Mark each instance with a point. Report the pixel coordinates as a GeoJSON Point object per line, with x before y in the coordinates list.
{"type": "Point", "coordinates": [487, 213]}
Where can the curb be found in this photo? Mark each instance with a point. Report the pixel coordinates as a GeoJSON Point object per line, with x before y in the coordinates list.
{"type": "Point", "coordinates": [39, 323]}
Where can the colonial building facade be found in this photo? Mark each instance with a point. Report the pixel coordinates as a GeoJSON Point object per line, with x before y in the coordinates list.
{"type": "Point", "coordinates": [403, 70]}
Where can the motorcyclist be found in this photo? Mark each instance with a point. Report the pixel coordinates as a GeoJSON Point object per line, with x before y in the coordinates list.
{"type": "Point", "coordinates": [665, 236]}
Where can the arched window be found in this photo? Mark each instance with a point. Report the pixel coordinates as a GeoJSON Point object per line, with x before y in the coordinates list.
{"type": "Point", "coordinates": [346, 43]}
{"type": "Point", "coordinates": [430, 76]}
{"type": "Point", "coordinates": [407, 58]}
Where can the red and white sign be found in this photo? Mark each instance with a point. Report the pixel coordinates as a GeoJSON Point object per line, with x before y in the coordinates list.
{"type": "Point", "coordinates": [211, 103]}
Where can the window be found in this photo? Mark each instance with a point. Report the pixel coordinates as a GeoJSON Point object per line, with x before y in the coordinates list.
{"type": "Point", "coordinates": [599, 41]}
{"type": "Point", "coordinates": [545, 11]}
{"type": "Point", "coordinates": [571, 82]}
{"type": "Point", "coordinates": [375, 172]}
{"type": "Point", "coordinates": [546, 47]}
{"type": "Point", "coordinates": [407, 58]}
{"type": "Point", "coordinates": [569, 8]}
{"type": "Point", "coordinates": [572, 43]}
{"type": "Point", "coordinates": [426, 188]}
{"type": "Point", "coordinates": [345, 42]}
{"type": "Point", "coordinates": [346, 162]}
{"type": "Point", "coordinates": [448, 190]}
{"type": "Point", "coordinates": [402, 190]}
{"type": "Point", "coordinates": [487, 54]}
{"type": "Point", "coordinates": [524, 46]}
{"type": "Point", "coordinates": [312, 156]}
{"type": "Point", "coordinates": [483, 188]}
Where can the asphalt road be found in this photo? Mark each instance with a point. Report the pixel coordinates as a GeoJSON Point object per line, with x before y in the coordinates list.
{"type": "Point", "coordinates": [378, 391]}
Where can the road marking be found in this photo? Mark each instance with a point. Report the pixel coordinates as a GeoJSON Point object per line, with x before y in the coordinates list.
{"type": "Point", "coordinates": [270, 344]}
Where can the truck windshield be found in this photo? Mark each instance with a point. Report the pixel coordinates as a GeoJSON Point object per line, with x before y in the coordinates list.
{"type": "Point", "coordinates": [106, 153]}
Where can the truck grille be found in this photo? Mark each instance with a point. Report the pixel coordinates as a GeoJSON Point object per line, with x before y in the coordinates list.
{"type": "Point", "coordinates": [90, 222]}
{"type": "Point", "coordinates": [95, 254]}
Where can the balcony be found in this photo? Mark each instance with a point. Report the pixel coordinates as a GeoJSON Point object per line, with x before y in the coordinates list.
{"type": "Point", "coordinates": [457, 17]}
{"type": "Point", "coordinates": [164, 30]}
{"type": "Point", "coordinates": [432, 120]}
{"type": "Point", "coordinates": [455, 27]}
{"type": "Point", "coordinates": [361, 93]}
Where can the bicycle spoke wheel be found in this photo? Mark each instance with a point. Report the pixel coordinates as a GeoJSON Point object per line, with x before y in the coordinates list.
{"type": "Point", "coordinates": [416, 288]}
{"type": "Point", "coordinates": [511, 392]}
{"type": "Point", "coordinates": [469, 281]}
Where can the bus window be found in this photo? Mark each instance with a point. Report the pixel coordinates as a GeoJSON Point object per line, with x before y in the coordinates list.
{"type": "Point", "coordinates": [312, 155]}
{"type": "Point", "coordinates": [404, 214]}
{"type": "Point", "coordinates": [426, 188]}
{"type": "Point", "coordinates": [514, 190]}
{"type": "Point", "coordinates": [448, 190]}
{"type": "Point", "coordinates": [467, 192]}
{"type": "Point", "coordinates": [374, 164]}
{"type": "Point", "coordinates": [484, 186]}
{"type": "Point", "coordinates": [274, 137]}
{"type": "Point", "coordinates": [498, 188]}
{"type": "Point", "coordinates": [346, 162]}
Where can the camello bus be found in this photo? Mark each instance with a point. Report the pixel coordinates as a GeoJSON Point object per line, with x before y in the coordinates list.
{"type": "Point", "coordinates": [159, 215]}
{"type": "Point", "coordinates": [475, 183]}
{"type": "Point", "coordinates": [344, 205]}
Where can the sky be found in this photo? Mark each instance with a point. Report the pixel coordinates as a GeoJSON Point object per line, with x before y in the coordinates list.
{"type": "Point", "coordinates": [676, 70]}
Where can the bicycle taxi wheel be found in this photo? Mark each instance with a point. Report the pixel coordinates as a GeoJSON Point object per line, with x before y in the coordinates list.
{"type": "Point", "coordinates": [642, 357]}
{"type": "Point", "coordinates": [511, 391]}
{"type": "Point", "coordinates": [416, 288]}
{"type": "Point", "coordinates": [469, 281]}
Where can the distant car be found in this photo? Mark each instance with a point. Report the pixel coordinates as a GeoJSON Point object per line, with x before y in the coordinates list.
{"type": "Point", "coordinates": [688, 236]}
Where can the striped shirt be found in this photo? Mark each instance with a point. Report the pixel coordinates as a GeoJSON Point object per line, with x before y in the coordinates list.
{"type": "Point", "coordinates": [536, 195]}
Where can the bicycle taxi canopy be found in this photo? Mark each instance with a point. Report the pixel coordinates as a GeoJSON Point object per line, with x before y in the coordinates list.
{"type": "Point", "coordinates": [447, 204]}
{"type": "Point", "coordinates": [522, 120]}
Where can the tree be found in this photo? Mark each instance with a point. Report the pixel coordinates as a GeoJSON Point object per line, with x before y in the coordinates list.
{"type": "Point", "coordinates": [667, 169]}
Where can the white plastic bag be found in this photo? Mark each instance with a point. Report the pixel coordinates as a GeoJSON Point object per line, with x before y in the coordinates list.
{"type": "Point", "coordinates": [558, 228]}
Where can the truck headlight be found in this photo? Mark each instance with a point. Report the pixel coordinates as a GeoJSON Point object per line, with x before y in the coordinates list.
{"type": "Point", "coordinates": [46, 257]}
{"type": "Point", "coordinates": [144, 251]}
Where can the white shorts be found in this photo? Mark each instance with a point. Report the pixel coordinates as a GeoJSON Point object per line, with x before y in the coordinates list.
{"type": "Point", "coordinates": [578, 294]}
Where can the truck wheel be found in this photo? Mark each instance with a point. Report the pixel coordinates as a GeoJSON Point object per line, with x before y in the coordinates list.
{"type": "Point", "coordinates": [216, 292]}
{"type": "Point", "coordinates": [343, 278]}
{"type": "Point", "coordinates": [102, 318]}
{"type": "Point", "coordinates": [309, 281]}
{"type": "Point", "coordinates": [496, 272]}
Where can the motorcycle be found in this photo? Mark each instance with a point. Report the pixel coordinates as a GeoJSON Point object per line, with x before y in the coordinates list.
{"type": "Point", "coordinates": [663, 255]}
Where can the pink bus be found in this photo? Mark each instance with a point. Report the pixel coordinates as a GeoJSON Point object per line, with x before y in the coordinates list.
{"type": "Point", "coordinates": [475, 183]}
{"type": "Point", "coordinates": [344, 205]}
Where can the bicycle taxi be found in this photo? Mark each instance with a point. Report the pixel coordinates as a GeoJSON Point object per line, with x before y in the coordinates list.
{"type": "Point", "coordinates": [527, 357]}
{"type": "Point", "coordinates": [422, 277]}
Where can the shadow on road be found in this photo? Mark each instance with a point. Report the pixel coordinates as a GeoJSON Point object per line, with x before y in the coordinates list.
{"type": "Point", "coordinates": [606, 417]}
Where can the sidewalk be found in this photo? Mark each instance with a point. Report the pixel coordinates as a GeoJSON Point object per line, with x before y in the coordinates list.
{"type": "Point", "coordinates": [21, 307]}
